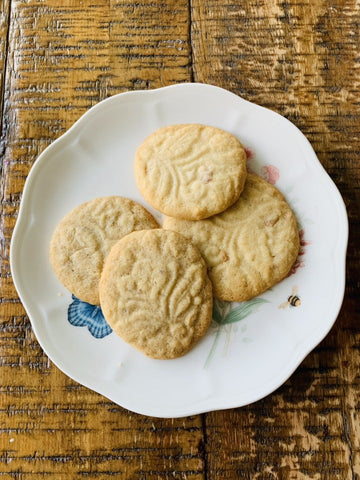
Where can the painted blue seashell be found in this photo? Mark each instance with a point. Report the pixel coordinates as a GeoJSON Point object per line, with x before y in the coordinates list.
{"type": "Point", "coordinates": [82, 314]}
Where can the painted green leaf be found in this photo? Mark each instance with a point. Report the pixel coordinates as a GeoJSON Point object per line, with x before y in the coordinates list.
{"type": "Point", "coordinates": [247, 340]}
{"type": "Point", "coordinates": [222, 307]}
{"type": "Point", "coordinates": [243, 311]}
{"type": "Point", "coordinates": [216, 314]}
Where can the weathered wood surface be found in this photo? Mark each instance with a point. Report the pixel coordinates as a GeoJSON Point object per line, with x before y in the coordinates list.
{"type": "Point", "coordinates": [298, 58]}
{"type": "Point", "coordinates": [4, 24]}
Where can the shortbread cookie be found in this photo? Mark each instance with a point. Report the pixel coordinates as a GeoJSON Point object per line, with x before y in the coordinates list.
{"type": "Point", "coordinates": [249, 247]}
{"type": "Point", "coordinates": [83, 239]}
{"type": "Point", "coordinates": [155, 293]}
{"type": "Point", "coordinates": [190, 171]}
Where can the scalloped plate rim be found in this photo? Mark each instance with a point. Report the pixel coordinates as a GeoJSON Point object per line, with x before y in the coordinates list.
{"type": "Point", "coordinates": [216, 402]}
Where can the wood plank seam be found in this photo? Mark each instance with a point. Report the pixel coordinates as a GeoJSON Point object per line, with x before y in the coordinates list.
{"type": "Point", "coordinates": [60, 62]}
{"type": "Point", "coordinates": [204, 449]}
{"type": "Point", "coordinates": [347, 436]}
{"type": "Point", "coordinates": [2, 93]}
{"type": "Point", "coordinates": [191, 53]}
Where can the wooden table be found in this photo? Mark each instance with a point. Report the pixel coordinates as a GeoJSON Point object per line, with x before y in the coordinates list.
{"type": "Point", "coordinates": [299, 58]}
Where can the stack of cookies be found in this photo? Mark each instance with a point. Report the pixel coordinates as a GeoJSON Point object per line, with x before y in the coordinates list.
{"type": "Point", "coordinates": [226, 233]}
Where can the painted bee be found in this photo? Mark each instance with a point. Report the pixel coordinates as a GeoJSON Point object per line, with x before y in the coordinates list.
{"type": "Point", "coordinates": [293, 300]}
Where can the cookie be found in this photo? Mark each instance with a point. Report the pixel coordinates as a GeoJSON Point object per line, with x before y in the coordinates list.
{"type": "Point", "coordinates": [249, 247]}
{"type": "Point", "coordinates": [190, 171]}
{"type": "Point", "coordinates": [155, 293]}
{"type": "Point", "coordinates": [84, 237]}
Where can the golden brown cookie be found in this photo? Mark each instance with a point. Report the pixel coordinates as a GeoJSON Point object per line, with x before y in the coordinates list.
{"type": "Point", "coordinates": [249, 247]}
{"type": "Point", "coordinates": [155, 293]}
{"type": "Point", "coordinates": [190, 171]}
{"type": "Point", "coordinates": [84, 237]}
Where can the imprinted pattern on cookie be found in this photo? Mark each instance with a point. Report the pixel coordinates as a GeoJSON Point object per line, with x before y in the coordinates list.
{"type": "Point", "coordinates": [84, 237]}
{"type": "Point", "coordinates": [190, 171]}
{"type": "Point", "coordinates": [249, 247]}
{"type": "Point", "coordinates": [155, 293]}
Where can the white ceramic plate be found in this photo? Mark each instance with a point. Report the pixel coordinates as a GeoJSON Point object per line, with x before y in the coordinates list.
{"type": "Point", "coordinates": [246, 354]}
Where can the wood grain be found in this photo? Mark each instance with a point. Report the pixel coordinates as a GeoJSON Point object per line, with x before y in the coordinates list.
{"type": "Point", "coordinates": [299, 58]}
{"type": "Point", "coordinates": [4, 24]}
{"type": "Point", "coordinates": [61, 60]}
{"type": "Point", "coordinates": [4, 31]}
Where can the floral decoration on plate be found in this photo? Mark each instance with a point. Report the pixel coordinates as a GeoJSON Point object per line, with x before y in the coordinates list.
{"type": "Point", "coordinates": [82, 314]}
{"type": "Point", "coordinates": [225, 317]}
{"type": "Point", "coordinates": [239, 338]}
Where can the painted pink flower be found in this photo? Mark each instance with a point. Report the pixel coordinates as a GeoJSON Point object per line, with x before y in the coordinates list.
{"type": "Point", "coordinates": [249, 153]}
{"type": "Point", "coordinates": [303, 242]}
{"type": "Point", "coordinates": [249, 157]}
{"type": "Point", "coordinates": [270, 173]}
{"type": "Point", "coordinates": [300, 260]}
{"type": "Point", "coordinates": [298, 264]}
